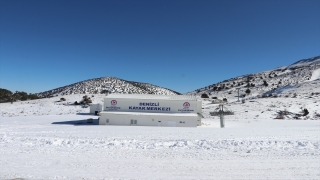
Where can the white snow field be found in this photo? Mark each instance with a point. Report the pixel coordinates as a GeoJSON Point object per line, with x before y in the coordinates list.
{"type": "Point", "coordinates": [49, 139]}
{"type": "Point", "coordinates": [44, 139]}
{"type": "Point", "coordinates": [66, 147]}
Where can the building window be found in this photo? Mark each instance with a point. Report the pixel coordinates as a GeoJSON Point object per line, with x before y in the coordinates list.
{"type": "Point", "coordinates": [107, 120]}
{"type": "Point", "coordinates": [133, 121]}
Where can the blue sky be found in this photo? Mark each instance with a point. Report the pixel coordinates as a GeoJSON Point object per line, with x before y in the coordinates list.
{"type": "Point", "coordinates": [182, 45]}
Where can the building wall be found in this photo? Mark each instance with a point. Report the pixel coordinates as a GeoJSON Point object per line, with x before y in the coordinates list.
{"type": "Point", "coordinates": [148, 120]}
{"type": "Point", "coordinates": [95, 107]}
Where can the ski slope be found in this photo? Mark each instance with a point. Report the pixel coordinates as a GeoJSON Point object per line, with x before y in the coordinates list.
{"type": "Point", "coordinates": [66, 147]}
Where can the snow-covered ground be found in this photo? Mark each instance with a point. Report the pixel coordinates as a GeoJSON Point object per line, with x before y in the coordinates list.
{"type": "Point", "coordinates": [47, 139]}
{"type": "Point", "coordinates": [315, 75]}
{"type": "Point", "coordinates": [66, 147]}
{"type": "Point", "coordinates": [48, 106]}
{"type": "Point", "coordinates": [51, 139]}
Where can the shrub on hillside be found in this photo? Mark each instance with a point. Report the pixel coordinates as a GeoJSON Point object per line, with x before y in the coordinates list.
{"type": "Point", "coordinates": [204, 95]}
{"type": "Point", "coordinates": [248, 91]}
{"type": "Point", "coordinates": [265, 83]}
{"type": "Point", "coordinates": [305, 112]}
{"type": "Point", "coordinates": [62, 99]}
{"type": "Point", "coordinates": [85, 100]}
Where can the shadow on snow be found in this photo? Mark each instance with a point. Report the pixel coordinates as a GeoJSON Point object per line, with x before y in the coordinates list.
{"type": "Point", "coordinates": [78, 122]}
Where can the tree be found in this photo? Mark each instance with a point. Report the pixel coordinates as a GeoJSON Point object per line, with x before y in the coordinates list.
{"type": "Point", "coordinates": [32, 96]}
{"type": "Point", "coordinates": [15, 97]}
{"type": "Point", "coordinates": [8, 96]}
{"type": "Point", "coordinates": [5, 95]}
{"type": "Point", "coordinates": [23, 95]}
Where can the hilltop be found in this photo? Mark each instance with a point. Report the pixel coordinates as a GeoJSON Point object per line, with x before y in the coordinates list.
{"type": "Point", "coordinates": [104, 84]}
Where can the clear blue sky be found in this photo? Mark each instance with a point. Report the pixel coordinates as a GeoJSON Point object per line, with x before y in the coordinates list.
{"type": "Point", "coordinates": [178, 44]}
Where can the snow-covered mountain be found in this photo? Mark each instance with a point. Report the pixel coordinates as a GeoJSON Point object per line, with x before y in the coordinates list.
{"type": "Point", "coordinates": [274, 82]}
{"type": "Point", "coordinates": [289, 89]}
{"type": "Point", "coordinates": [101, 85]}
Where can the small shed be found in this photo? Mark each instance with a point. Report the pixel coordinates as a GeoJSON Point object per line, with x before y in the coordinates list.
{"type": "Point", "coordinates": [95, 108]}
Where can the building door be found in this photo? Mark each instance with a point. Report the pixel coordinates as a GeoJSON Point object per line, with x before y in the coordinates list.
{"type": "Point", "coordinates": [159, 123]}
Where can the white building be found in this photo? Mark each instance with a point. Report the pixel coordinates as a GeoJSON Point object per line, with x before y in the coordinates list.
{"type": "Point", "coordinates": [151, 110]}
{"type": "Point", "coordinates": [95, 108]}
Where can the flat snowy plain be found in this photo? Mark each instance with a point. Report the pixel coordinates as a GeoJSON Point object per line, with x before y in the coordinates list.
{"type": "Point", "coordinates": [66, 147]}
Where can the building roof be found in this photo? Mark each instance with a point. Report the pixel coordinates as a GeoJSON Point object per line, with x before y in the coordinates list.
{"type": "Point", "coordinates": [152, 96]}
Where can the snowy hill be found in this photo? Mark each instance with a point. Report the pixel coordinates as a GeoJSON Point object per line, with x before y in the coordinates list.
{"type": "Point", "coordinates": [291, 88]}
{"type": "Point", "coordinates": [270, 94]}
{"type": "Point", "coordinates": [100, 85]}
{"type": "Point", "coordinates": [305, 62]}
{"type": "Point", "coordinates": [270, 83]}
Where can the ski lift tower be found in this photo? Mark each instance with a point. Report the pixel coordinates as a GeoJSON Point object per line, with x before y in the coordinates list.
{"type": "Point", "coordinates": [238, 94]}
{"type": "Point", "coordinates": [108, 84]}
{"type": "Point", "coordinates": [221, 115]}
{"type": "Point", "coordinates": [221, 111]}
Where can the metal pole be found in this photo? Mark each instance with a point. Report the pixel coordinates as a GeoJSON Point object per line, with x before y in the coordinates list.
{"type": "Point", "coordinates": [221, 116]}
{"type": "Point", "coordinates": [238, 94]}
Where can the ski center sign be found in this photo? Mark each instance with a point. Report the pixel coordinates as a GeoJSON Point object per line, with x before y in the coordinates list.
{"type": "Point", "coordinates": [159, 106]}
{"type": "Point", "coordinates": [149, 106]}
